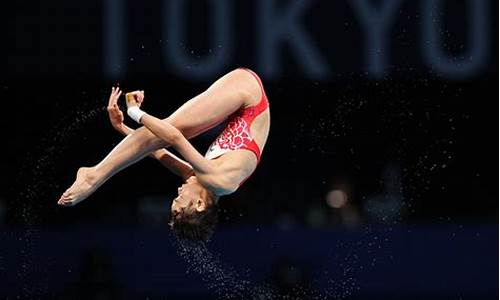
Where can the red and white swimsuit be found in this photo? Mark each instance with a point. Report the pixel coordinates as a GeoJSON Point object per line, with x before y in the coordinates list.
{"type": "Point", "coordinates": [237, 135]}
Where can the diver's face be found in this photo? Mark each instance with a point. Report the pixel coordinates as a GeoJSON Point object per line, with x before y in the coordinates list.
{"type": "Point", "coordinates": [188, 197]}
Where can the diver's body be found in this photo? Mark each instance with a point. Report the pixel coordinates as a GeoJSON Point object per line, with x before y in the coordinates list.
{"type": "Point", "coordinates": [238, 97]}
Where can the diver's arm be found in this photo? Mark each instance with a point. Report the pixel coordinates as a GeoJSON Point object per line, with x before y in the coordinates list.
{"type": "Point", "coordinates": [174, 137]}
{"type": "Point", "coordinates": [173, 163]}
{"type": "Point", "coordinates": [166, 158]}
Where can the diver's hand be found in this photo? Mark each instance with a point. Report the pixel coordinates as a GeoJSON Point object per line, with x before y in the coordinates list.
{"type": "Point", "coordinates": [114, 113]}
{"type": "Point", "coordinates": [134, 98]}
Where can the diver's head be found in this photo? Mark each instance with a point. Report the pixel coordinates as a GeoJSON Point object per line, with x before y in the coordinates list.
{"type": "Point", "coordinates": [194, 211]}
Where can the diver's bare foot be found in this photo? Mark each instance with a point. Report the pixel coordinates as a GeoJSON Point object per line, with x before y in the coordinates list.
{"type": "Point", "coordinates": [84, 185]}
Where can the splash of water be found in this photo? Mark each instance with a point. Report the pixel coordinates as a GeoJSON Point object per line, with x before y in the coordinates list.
{"type": "Point", "coordinates": [39, 178]}
{"type": "Point", "coordinates": [226, 283]}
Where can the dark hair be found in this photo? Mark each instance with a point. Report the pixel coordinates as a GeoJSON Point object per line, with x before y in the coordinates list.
{"type": "Point", "coordinates": [194, 225]}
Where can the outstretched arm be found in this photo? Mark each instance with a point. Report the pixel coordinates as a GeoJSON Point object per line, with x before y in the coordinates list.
{"type": "Point", "coordinates": [166, 158]}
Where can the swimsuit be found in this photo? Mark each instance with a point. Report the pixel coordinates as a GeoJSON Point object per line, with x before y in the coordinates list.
{"type": "Point", "coordinates": [236, 135]}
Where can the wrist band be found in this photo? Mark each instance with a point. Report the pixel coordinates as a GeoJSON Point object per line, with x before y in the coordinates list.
{"type": "Point", "coordinates": [135, 113]}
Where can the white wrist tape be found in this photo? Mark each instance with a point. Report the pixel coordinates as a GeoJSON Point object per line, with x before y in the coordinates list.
{"type": "Point", "coordinates": [135, 113]}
